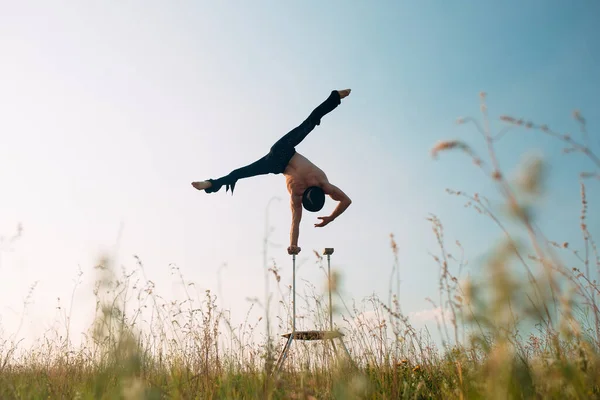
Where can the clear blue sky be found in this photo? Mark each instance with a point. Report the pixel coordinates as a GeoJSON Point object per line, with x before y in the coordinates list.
{"type": "Point", "coordinates": [108, 112]}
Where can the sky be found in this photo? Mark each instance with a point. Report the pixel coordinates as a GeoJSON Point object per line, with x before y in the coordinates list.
{"type": "Point", "coordinates": [108, 111]}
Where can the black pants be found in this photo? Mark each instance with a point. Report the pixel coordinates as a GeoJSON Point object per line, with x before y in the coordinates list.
{"type": "Point", "coordinates": [282, 151]}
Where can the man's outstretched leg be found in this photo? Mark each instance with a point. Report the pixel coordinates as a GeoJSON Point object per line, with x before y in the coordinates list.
{"type": "Point", "coordinates": [285, 148]}
{"type": "Point", "coordinates": [297, 135]}
{"type": "Point", "coordinates": [259, 167]}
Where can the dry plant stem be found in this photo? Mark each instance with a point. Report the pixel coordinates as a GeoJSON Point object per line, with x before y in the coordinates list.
{"type": "Point", "coordinates": [510, 196]}
{"type": "Point", "coordinates": [507, 192]}
{"type": "Point", "coordinates": [548, 261]}
{"type": "Point", "coordinates": [457, 286]}
{"type": "Point", "coordinates": [585, 149]}
{"type": "Point", "coordinates": [395, 270]}
{"type": "Point", "coordinates": [486, 211]}
{"type": "Point", "coordinates": [587, 291]}
{"type": "Point", "coordinates": [588, 241]}
{"type": "Point", "coordinates": [444, 274]}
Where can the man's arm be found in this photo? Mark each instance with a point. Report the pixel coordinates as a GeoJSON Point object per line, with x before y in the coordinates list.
{"type": "Point", "coordinates": [296, 205]}
{"type": "Point", "coordinates": [338, 195]}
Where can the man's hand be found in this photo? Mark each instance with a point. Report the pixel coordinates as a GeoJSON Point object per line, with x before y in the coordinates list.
{"type": "Point", "coordinates": [293, 250]}
{"type": "Point", "coordinates": [336, 194]}
{"type": "Point", "coordinates": [324, 221]}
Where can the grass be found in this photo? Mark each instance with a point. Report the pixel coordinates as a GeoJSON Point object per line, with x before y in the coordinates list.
{"type": "Point", "coordinates": [531, 329]}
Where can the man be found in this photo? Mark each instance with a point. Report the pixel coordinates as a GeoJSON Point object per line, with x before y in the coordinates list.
{"type": "Point", "coordinates": [306, 183]}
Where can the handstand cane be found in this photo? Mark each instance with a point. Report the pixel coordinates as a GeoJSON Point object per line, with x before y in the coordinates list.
{"type": "Point", "coordinates": [311, 335]}
{"type": "Point", "coordinates": [291, 335]}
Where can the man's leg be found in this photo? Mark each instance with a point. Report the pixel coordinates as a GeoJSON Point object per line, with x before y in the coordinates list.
{"type": "Point", "coordinates": [297, 135]}
{"type": "Point", "coordinates": [259, 167]}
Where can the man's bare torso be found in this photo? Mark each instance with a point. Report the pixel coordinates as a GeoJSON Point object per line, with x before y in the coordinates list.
{"type": "Point", "coordinates": [300, 174]}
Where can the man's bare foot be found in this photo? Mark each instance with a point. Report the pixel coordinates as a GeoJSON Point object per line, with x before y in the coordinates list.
{"type": "Point", "coordinates": [201, 185]}
{"type": "Point", "coordinates": [344, 93]}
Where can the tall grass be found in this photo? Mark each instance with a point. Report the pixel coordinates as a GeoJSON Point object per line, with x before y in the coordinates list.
{"type": "Point", "coordinates": [527, 326]}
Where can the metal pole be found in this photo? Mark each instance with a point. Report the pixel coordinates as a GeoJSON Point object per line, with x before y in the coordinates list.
{"type": "Point", "coordinates": [294, 294]}
{"type": "Point", "coordinates": [328, 251]}
{"type": "Point", "coordinates": [330, 283]}
{"type": "Point", "coordinates": [283, 355]}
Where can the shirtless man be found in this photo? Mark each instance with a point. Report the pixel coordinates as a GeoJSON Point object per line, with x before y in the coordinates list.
{"type": "Point", "coordinates": [306, 183]}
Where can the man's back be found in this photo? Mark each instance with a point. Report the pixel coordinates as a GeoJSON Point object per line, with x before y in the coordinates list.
{"type": "Point", "coordinates": [300, 174]}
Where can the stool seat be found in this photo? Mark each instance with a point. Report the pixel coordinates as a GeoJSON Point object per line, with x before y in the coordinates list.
{"type": "Point", "coordinates": [314, 335]}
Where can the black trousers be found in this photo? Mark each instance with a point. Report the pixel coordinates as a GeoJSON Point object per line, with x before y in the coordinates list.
{"type": "Point", "coordinates": [282, 151]}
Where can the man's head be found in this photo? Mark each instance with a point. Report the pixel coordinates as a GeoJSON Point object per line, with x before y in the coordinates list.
{"type": "Point", "coordinates": [313, 199]}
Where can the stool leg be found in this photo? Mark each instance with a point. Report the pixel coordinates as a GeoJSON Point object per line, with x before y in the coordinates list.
{"type": "Point", "coordinates": [283, 354]}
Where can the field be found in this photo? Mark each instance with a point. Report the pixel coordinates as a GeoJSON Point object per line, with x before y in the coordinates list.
{"type": "Point", "coordinates": [530, 330]}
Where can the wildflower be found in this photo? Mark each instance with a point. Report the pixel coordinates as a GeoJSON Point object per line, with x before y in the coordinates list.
{"type": "Point", "coordinates": [394, 245]}
{"type": "Point", "coordinates": [447, 145]}
{"type": "Point", "coordinates": [586, 175]}
{"type": "Point", "coordinates": [577, 115]}
{"type": "Point", "coordinates": [507, 118]}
